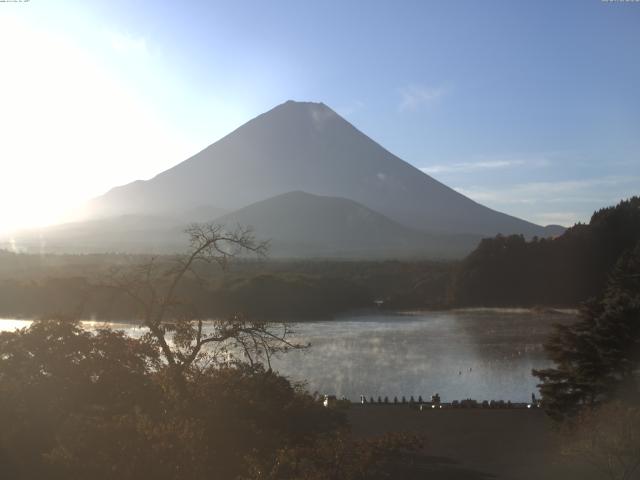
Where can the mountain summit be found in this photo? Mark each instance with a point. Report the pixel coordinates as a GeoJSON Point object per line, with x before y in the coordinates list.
{"type": "Point", "coordinates": [302, 146]}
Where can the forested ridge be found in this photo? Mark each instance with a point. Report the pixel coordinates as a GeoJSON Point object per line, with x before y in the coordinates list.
{"type": "Point", "coordinates": [562, 271]}
{"type": "Point", "coordinates": [34, 285]}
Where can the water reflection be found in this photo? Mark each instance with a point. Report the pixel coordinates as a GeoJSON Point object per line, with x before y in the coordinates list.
{"type": "Point", "coordinates": [481, 354]}
{"type": "Point", "coordinates": [460, 354]}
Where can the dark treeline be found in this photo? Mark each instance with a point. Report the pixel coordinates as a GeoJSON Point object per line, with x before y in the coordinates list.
{"type": "Point", "coordinates": [564, 271]}
{"type": "Point", "coordinates": [78, 285]}
{"type": "Point", "coordinates": [502, 271]}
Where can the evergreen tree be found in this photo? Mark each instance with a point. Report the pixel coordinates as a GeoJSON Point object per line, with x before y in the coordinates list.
{"type": "Point", "coordinates": [567, 270]}
{"type": "Point", "coordinates": [598, 357]}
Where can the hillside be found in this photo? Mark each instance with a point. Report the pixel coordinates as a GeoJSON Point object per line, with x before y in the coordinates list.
{"type": "Point", "coordinates": [131, 233]}
{"type": "Point", "coordinates": [567, 270]}
{"type": "Point", "coordinates": [296, 224]}
{"type": "Point", "coordinates": [299, 224]}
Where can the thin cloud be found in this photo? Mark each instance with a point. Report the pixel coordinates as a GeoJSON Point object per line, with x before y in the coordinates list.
{"type": "Point", "coordinates": [538, 201]}
{"type": "Point", "coordinates": [584, 190]}
{"type": "Point", "coordinates": [413, 97]}
{"type": "Point", "coordinates": [471, 166]}
{"type": "Point", "coordinates": [493, 162]}
{"type": "Point", "coordinates": [320, 117]}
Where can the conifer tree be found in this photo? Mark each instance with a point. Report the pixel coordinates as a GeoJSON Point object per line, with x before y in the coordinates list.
{"type": "Point", "coordinates": [597, 358]}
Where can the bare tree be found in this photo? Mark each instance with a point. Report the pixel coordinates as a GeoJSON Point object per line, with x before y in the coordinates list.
{"type": "Point", "coordinates": [186, 339]}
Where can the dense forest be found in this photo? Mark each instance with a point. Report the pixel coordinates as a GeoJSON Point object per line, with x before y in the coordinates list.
{"type": "Point", "coordinates": [79, 285]}
{"type": "Point", "coordinates": [562, 271]}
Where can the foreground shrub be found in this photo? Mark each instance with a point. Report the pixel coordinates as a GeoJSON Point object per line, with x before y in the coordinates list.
{"type": "Point", "coordinates": [79, 405]}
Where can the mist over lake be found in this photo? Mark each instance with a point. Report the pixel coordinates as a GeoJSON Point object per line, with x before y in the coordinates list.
{"type": "Point", "coordinates": [475, 353]}
{"type": "Point", "coordinates": [481, 354]}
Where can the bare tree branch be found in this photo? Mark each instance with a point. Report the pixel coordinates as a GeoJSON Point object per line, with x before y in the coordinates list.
{"type": "Point", "coordinates": [175, 324]}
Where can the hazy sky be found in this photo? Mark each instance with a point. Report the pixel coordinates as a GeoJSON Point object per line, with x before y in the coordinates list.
{"type": "Point", "coordinates": [529, 107]}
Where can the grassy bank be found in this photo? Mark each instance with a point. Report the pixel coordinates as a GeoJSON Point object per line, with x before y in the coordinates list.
{"type": "Point", "coordinates": [475, 444]}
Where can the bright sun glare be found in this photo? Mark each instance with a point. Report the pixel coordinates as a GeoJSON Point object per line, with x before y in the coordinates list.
{"type": "Point", "coordinates": [67, 125]}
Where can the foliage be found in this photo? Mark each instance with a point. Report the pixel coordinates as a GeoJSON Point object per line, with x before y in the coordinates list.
{"type": "Point", "coordinates": [173, 404]}
{"type": "Point", "coordinates": [55, 368]}
{"type": "Point", "coordinates": [598, 357]}
{"type": "Point", "coordinates": [36, 285]}
{"type": "Point", "coordinates": [175, 324]}
{"type": "Point", "coordinates": [77, 405]}
{"type": "Point", "coordinates": [568, 270]}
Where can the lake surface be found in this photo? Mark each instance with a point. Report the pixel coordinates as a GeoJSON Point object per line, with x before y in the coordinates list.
{"type": "Point", "coordinates": [481, 353]}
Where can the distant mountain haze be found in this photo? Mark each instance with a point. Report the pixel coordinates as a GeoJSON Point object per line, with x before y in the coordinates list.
{"type": "Point", "coordinates": [299, 224]}
{"type": "Point", "coordinates": [131, 233]}
{"type": "Point", "coordinates": [303, 146]}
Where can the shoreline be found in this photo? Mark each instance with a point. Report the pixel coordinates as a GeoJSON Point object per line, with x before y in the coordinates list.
{"type": "Point", "coordinates": [483, 356]}
{"type": "Point", "coordinates": [359, 313]}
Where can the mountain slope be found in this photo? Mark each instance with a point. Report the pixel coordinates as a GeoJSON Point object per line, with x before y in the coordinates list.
{"type": "Point", "coordinates": [307, 146]}
{"type": "Point", "coordinates": [132, 233]}
{"type": "Point", "coordinates": [299, 224]}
